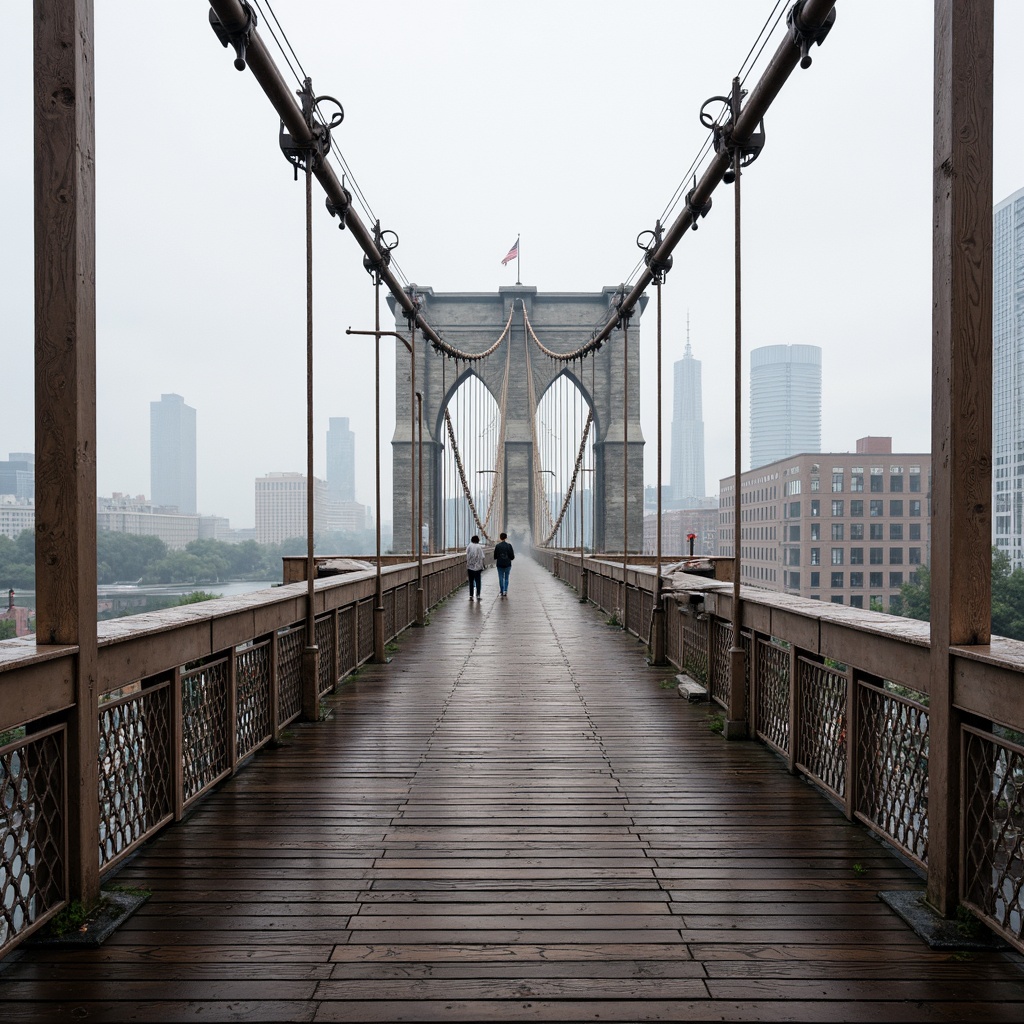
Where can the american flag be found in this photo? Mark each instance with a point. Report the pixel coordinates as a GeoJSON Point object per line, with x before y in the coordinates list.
{"type": "Point", "coordinates": [513, 253]}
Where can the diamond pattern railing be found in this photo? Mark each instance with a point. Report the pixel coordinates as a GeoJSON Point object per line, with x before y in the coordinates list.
{"type": "Point", "coordinates": [206, 752]}
{"type": "Point", "coordinates": [695, 647]}
{"type": "Point", "coordinates": [33, 816]}
{"type": "Point", "coordinates": [136, 783]}
{"type": "Point", "coordinates": [252, 699]}
{"type": "Point", "coordinates": [289, 673]}
{"type": "Point", "coordinates": [821, 746]}
{"type": "Point", "coordinates": [892, 767]}
{"type": "Point", "coordinates": [327, 671]}
{"type": "Point", "coordinates": [992, 877]}
{"type": "Point", "coordinates": [772, 667]}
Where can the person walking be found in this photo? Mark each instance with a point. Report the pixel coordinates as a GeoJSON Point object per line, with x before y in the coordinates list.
{"type": "Point", "coordinates": [474, 565]}
{"type": "Point", "coordinates": [503, 558]}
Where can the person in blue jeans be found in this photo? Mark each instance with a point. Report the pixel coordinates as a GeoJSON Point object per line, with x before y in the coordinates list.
{"type": "Point", "coordinates": [503, 556]}
{"type": "Point", "coordinates": [474, 566]}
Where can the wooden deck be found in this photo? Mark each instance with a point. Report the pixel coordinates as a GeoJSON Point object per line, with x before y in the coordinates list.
{"type": "Point", "coordinates": [514, 820]}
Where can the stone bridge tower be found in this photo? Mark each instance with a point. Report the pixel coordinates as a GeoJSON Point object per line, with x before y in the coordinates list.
{"type": "Point", "coordinates": [563, 321]}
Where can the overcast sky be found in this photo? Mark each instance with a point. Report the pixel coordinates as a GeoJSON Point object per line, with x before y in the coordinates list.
{"type": "Point", "coordinates": [467, 124]}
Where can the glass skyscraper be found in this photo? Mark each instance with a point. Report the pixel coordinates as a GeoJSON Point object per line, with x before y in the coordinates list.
{"type": "Point", "coordinates": [172, 453]}
{"type": "Point", "coordinates": [687, 472]}
{"type": "Point", "coordinates": [341, 460]}
{"type": "Point", "coordinates": [1008, 377]}
{"type": "Point", "coordinates": [785, 402]}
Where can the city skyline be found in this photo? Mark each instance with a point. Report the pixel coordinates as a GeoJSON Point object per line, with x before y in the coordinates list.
{"type": "Point", "coordinates": [232, 337]}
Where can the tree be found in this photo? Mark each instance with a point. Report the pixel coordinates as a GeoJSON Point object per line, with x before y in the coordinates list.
{"type": "Point", "coordinates": [917, 596]}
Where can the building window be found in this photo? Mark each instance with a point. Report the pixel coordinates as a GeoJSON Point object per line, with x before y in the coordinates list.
{"type": "Point", "coordinates": [794, 510]}
{"type": "Point", "coordinates": [875, 579]}
{"type": "Point", "coordinates": [895, 531]}
{"type": "Point", "coordinates": [794, 533]}
{"type": "Point", "coordinates": [856, 531]}
{"type": "Point", "coordinates": [792, 487]}
{"type": "Point", "coordinates": [877, 480]}
{"type": "Point", "coordinates": [915, 479]}
{"type": "Point", "coordinates": [915, 531]}
{"type": "Point", "coordinates": [857, 481]}
{"type": "Point", "coordinates": [815, 531]}
{"type": "Point", "coordinates": [876, 531]}
{"type": "Point", "coordinates": [837, 531]}
{"type": "Point", "coordinates": [877, 507]}
{"type": "Point", "coordinates": [816, 556]}
{"type": "Point", "coordinates": [895, 556]}
{"type": "Point", "coordinates": [837, 581]}
{"type": "Point", "coordinates": [895, 579]}
{"type": "Point", "coordinates": [837, 483]}
{"type": "Point", "coordinates": [837, 556]}
{"type": "Point", "coordinates": [794, 581]}
{"type": "Point", "coordinates": [875, 556]}
{"type": "Point", "coordinates": [915, 507]}
{"type": "Point", "coordinates": [815, 484]}
{"type": "Point", "coordinates": [914, 556]}
{"type": "Point", "coordinates": [837, 507]}
{"type": "Point", "coordinates": [837, 598]}
{"type": "Point", "coordinates": [856, 508]}
{"type": "Point", "coordinates": [856, 579]}
{"type": "Point", "coordinates": [815, 507]}
{"type": "Point", "coordinates": [792, 556]}
{"type": "Point", "coordinates": [896, 484]}
{"type": "Point", "coordinates": [896, 508]}
{"type": "Point", "coordinates": [856, 600]}
{"type": "Point", "coordinates": [895, 604]}
{"type": "Point", "coordinates": [815, 580]}
{"type": "Point", "coordinates": [856, 556]}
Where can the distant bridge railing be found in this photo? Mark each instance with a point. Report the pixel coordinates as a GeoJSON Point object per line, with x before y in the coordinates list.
{"type": "Point", "coordinates": [841, 695]}
{"type": "Point", "coordinates": [187, 695]}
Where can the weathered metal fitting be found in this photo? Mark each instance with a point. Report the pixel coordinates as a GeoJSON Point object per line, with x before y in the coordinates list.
{"type": "Point", "coordinates": [805, 37]}
{"type": "Point", "coordinates": [341, 212]}
{"type": "Point", "coordinates": [239, 39]}
{"type": "Point", "coordinates": [697, 212]}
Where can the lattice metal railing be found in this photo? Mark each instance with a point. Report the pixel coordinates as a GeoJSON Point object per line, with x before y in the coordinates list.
{"type": "Point", "coordinates": [136, 780]}
{"type": "Point", "coordinates": [721, 644]}
{"type": "Point", "coordinates": [365, 626]}
{"type": "Point", "coordinates": [327, 665]}
{"type": "Point", "coordinates": [33, 845]}
{"type": "Point", "coordinates": [635, 621]}
{"type": "Point", "coordinates": [252, 699]}
{"type": "Point", "coordinates": [821, 735]}
{"type": "Point", "coordinates": [892, 767]}
{"type": "Point", "coordinates": [348, 659]}
{"type": "Point", "coordinates": [206, 747]}
{"type": "Point", "coordinates": [695, 647]}
{"type": "Point", "coordinates": [772, 668]}
{"type": "Point", "coordinates": [289, 673]}
{"type": "Point", "coordinates": [992, 877]}
{"type": "Point", "coordinates": [673, 633]}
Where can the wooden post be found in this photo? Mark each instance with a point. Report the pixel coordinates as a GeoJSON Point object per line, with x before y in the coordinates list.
{"type": "Point", "coordinates": [961, 602]}
{"type": "Point", "coordinates": [65, 393]}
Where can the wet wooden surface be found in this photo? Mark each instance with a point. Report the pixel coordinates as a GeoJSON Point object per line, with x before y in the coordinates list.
{"type": "Point", "coordinates": [514, 820]}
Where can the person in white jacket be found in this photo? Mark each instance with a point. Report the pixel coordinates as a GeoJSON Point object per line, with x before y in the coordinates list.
{"type": "Point", "coordinates": [475, 566]}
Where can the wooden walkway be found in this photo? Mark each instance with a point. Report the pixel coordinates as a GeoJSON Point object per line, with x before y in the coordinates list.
{"type": "Point", "coordinates": [514, 820]}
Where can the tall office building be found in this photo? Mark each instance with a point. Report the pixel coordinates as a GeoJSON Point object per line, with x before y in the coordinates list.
{"type": "Point", "coordinates": [1008, 378]}
{"type": "Point", "coordinates": [341, 460]}
{"type": "Point", "coordinates": [281, 506]}
{"type": "Point", "coordinates": [172, 454]}
{"type": "Point", "coordinates": [18, 477]}
{"type": "Point", "coordinates": [785, 402]}
{"type": "Point", "coordinates": [687, 473]}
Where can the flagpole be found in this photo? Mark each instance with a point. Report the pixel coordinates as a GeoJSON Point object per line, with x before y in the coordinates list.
{"type": "Point", "coordinates": [518, 251]}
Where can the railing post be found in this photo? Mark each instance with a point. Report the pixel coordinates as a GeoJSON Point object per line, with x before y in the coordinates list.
{"type": "Point", "coordinates": [961, 606]}
{"type": "Point", "coordinates": [65, 394]}
{"type": "Point", "coordinates": [311, 683]}
{"type": "Point", "coordinates": [852, 727]}
{"type": "Point", "coordinates": [232, 708]}
{"type": "Point", "coordinates": [275, 688]}
{"type": "Point", "coordinates": [177, 743]}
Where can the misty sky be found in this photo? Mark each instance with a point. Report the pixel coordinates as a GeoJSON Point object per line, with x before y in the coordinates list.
{"type": "Point", "coordinates": [467, 124]}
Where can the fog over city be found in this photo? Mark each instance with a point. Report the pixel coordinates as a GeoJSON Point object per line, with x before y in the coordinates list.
{"type": "Point", "coordinates": [466, 125]}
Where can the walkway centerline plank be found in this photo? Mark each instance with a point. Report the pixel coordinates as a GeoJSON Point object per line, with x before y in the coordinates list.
{"type": "Point", "coordinates": [514, 820]}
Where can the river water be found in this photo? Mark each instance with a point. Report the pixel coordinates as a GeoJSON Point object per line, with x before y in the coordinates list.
{"type": "Point", "coordinates": [136, 596]}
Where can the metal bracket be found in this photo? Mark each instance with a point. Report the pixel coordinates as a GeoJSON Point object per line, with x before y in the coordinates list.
{"type": "Point", "coordinates": [384, 241]}
{"type": "Point", "coordinates": [319, 145]}
{"type": "Point", "coordinates": [697, 212]}
{"type": "Point", "coordinates": [804, 37]}
{"type": "Point", "coordinates": [340, 212]}
{"type": "Point", "coordinates": [410, 317]}
{"type": "Point", "coordinates": [722, 136]}
{"type": "Point", "coordinates": [240, 39]}
{"type": "Point", "coordinates": [650, 242]}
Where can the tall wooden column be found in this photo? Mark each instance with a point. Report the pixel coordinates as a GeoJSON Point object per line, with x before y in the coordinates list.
{"type": "Point", "coordinates": [961, 569]}
{"type": "Point", "coordinates": [65, 392]}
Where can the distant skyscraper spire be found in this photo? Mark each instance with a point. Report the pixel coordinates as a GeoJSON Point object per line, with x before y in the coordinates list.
{"type": "Point", "coordinates": [341, 460]}
{"type": "Point", "coordinates": [687, 473]}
